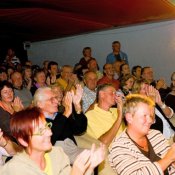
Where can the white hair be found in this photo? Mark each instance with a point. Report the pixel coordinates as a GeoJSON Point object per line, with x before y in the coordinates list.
{"type": "Point", "coordinates": [39, 95]}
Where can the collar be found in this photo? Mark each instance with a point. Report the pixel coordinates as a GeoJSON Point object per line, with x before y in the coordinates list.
{"type": "Point", "coordinates": [51, 117]}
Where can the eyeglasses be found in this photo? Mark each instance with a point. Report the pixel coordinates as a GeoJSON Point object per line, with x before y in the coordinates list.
{"type": "Point", "coordinates": [41, 131]}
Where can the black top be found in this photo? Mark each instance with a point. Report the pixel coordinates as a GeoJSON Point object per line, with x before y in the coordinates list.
{"type": "Point", "coordinates": [63, 127]}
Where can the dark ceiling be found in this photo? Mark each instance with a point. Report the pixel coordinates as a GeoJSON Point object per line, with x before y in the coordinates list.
{"type": "Point", "coordinates": [36, 20]}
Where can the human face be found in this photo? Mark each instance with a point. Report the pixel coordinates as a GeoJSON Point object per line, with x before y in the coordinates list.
{"type": "Point", "coordinates": [87, 53]}
{"type": "Point", "coordinates": [17, 80]}
{"type": "Point", "coordinates": [49, 103]}
{"type": "Point", "coordinates": [109, 95]}
{"type": "Point", "coordinates": [59, 94]}
{"type": "Point", "coordinates": [109, 70]}
{"type": "Point", "coordinates": [7, 94]}
{"type": "Point", "coordinates": [138, 72]}
{"type": "Point", "coordinates": [148, 74]}
{"type": "Point", "coordinates": [143, 89]}
{"type": "Point", "coordinates": [116, 47]}
{"type": "Point", "coordinates": [40, 78]}
{"type": "Point", "coordinates": [3, 76]}
{"type": "Point", "coordinates": [92, 65]}
{"type": "Point", "coordinates": [91, 81]}
{"type": "Point", "coordinates": [28, 73]}
{"type": "Point", "coordinates": [142, 119]}
{"type": "Point", "coordinates": [125, 69]}
{"type": "Point", "coordinates": [54, 70]}
{"type": "Point", "coordinates": [129, 83]}
{"type": "Point", "coordinates": [40, 140]}
{"type": "Point", "coordinates": [66, 74]}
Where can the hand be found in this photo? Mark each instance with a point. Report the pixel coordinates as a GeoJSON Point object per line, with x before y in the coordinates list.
{"type": "Point", "coordinates": [161, 84]}
{"type": "Point", "coordinates": [119, 101]}
{"type": "Point", "coordinates": [17, 104]}
{"type": "Point", "coordinates": [151, 92]}
{"type": "Point", "coordinates": [77, 95]}
{"type": "Point", "coordinates": [97, 155]}
{"type": "Point", "coordinates": [67, 103]}
{"type": "Point", "coordinates": [81, 163]}
{"type": "Point", "coordinates": [158, 99]}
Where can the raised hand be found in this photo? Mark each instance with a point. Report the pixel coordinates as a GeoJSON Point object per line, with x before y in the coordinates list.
{"type": "Point", "coordinates": [151, 92]}
{"type": "Point", "coordinates": [67, 103]}
{"type": "Point", "coordinates": [97, 155]}
{"type": "Point", "coordinates": [81, 163]}
{"type": "Point", "coordinates": [77, 95]}
{"type": "Point", "coordinates": [17, 104]}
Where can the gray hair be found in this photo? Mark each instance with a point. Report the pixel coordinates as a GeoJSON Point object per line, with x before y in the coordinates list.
{"type": "Point", "coordinates": [39, 94]}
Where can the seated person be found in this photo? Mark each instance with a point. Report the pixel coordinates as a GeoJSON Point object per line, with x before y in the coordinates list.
{"type": "Point", "coordinates": [136, 72]}
{"type": "Point", "coordinates": [89, 90]}
{"type": "Point", "coordinates": [67, 79]}
{"type": "Point", "coordinates": [126, 84]}
{"type": "Point", "coordinates": [147, 74]}
{"type": "Point", "coordinates": [19, 91]}
{"type": "Point", "coordinates": [105, 122]}
{"type": "Point", "coordinates": [162, 112]}
{"type": "Point", "coordinates": [39, 80]}
{"type": "Point", "coordinates": [93, 66]}
{"type": "Point", "coordinates": [38, 157]}
{"type": "Point", "coordinates": [140, 150]}
{"type": "Point", "coordinates": [52, 73]}
{"type": "Point", "coordinates": [108, 77]}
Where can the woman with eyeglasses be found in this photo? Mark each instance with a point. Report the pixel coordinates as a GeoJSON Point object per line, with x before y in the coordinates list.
{"type": "Point", "coordinates": [30, 129]}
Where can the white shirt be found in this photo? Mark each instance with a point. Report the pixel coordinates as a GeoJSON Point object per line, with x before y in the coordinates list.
{"type": "Point", "coordinates": [167, 130]}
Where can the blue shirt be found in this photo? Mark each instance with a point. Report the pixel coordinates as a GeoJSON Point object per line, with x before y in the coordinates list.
{"type": "Point", "coordinates": [111, 57]}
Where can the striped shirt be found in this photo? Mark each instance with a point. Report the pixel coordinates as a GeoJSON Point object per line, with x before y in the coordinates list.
{"type": "Point", "coordinates": [126, 158]}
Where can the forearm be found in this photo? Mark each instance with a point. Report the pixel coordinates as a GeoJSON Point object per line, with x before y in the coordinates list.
{"type": "Point", "coordinates": [111, 133]}
{"type": "Point", "coordinates": [167, 110]}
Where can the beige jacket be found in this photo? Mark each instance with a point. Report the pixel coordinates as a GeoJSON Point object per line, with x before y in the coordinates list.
{"type": "Point", "coordinates": [22, 164]}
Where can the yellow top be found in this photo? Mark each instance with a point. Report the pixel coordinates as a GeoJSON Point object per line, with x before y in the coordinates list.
{"type": "Point", "coordinates": [48, 168]}
{"type": "Point", "coordinates": [100, 121]}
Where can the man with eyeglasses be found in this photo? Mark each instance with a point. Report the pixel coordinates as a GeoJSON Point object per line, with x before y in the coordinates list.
{"type": "Point", "coordinates": [67, 124]}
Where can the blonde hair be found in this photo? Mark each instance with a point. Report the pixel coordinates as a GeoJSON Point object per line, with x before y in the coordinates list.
{"type": "Point", "coordinates": [132, 101]}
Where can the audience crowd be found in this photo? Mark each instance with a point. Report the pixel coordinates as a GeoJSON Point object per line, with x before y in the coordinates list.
{"type": "Point", "coordinates": [45, 112]}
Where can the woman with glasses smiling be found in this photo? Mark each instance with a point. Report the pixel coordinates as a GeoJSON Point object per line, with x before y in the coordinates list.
{"type": "Point", "coordinates": [30, 129]}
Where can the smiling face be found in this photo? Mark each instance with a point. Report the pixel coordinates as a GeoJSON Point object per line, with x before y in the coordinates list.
{"type": "Point", "coordinates": [49, 102]}
{"type": "Point", "coordinates": [141, 120]}
{"type": "Point", "coordinates": [40, 142]}
{"type": "Point", "coordinates": [7, 94]}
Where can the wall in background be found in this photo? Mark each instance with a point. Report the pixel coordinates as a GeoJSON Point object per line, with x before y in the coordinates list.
{"type": "Point", "coordinates": [149, 44]}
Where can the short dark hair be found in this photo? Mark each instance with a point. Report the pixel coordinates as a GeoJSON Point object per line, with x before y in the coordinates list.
{"type": "Point", "coordinates": [52, 63]}
{"type": "Point", "coordinates": [5, 83]}
{"type": "Point", "coordinates": [135, 68]}
{"type": "Point", "coordinates": [86, 48]}
{"type": "Point", "coordinates": [115, 42]}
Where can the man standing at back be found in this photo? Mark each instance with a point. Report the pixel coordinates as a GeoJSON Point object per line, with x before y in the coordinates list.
{"type": "Point", "coordinates": [117, 54]}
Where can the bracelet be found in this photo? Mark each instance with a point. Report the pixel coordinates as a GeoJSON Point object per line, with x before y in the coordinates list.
{"type": "Point", "coordinates": [163, 106]}
{"type": "Point", "coordinates": [5, 144]}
